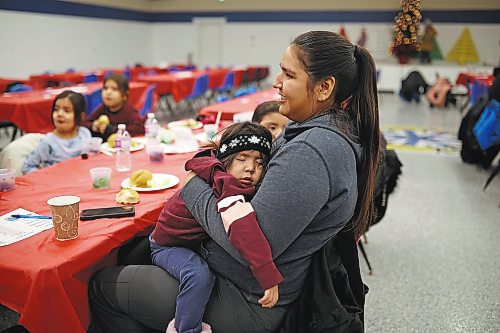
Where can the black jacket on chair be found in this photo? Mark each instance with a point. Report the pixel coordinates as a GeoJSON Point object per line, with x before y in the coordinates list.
{"type": "Point", "coordinates": [334, 294]}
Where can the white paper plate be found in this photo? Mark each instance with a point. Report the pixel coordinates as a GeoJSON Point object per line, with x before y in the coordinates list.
{"type": "Point", "coordinates": [173, 149]}
{"type": "Point", "coordinates": [137, 146]}
{"type": "Point", "coordinates": [164, 180]}
{"type": "Point", "coordinates": [184, 122]}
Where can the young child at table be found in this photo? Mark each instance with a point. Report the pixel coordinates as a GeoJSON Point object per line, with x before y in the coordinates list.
{"type": "Point", "coordinates": [233, 167]}
{"type": "Point", "coordinates": [267, 114]}
{"type": "Point", "coordinates": [114, 110]}
{"type": "Point", "coordinates": [68, 137]}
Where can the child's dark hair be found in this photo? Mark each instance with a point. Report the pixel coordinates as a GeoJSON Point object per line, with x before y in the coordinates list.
{"type": "Point", "coordinates": [243, 128]}
{"type": "Point", "coordinates": [120, 80]}
{"type": "Point", "coordinates": [265, 108]}
{"type": "Point", "coordinates": [78, 101]}
{"type": "Point", "coordinates": [354, 103]}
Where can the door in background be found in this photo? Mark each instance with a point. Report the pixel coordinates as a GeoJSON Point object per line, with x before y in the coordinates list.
{"type": "Point", "coordinates": [210, 41]}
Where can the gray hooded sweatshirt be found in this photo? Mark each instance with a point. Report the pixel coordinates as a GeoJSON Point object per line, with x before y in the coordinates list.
{"type": "Point", "coordinates": [307, 195]}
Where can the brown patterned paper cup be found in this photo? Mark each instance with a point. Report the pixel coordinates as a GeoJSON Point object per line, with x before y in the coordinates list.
{"type": "Point", "coordinates": [65, 213]}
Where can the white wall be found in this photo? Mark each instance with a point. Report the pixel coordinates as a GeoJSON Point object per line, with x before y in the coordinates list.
{"type": "Point", "coordinates": [255, 43]}
{"type": "Point", "coordinates": [55, 42]}
{"type": "Point", "coordinates": [172, 42]}
{"type": "Point", "coordinates": [486, 38]}
{"type": "Point", "coordinates": [263, 43]}
{"type": "Point", "coordinates": [33, 43]}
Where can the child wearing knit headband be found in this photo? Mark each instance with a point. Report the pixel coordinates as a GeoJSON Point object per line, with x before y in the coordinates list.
{"type": "Point", "coordinates": [233, 167]}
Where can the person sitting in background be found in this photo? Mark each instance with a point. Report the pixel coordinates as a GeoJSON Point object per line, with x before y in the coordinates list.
{"type": "Point", "coordinates": [412, 86]}
{"type": "Point", "coordinates": [437, 95]}
{"type": "Point", "coordinates": [67, 139]}
{"type": "Point", "coordinates": [268, 115]}
{"type": "Point", "coordinates": [114, 110]}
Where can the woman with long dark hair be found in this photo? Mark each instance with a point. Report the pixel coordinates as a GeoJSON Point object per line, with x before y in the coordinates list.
{"type": "Point", "coordinates": [319, 181]}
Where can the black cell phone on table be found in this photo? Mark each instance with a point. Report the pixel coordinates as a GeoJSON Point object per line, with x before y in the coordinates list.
{"type": "Point", "coordinates": [107, 212]}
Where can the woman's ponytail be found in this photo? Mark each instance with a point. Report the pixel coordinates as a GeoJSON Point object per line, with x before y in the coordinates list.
{"type": "Point", "coordinates": [364, 113]}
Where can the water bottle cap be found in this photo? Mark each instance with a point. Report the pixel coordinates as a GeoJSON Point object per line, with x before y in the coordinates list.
{"type": "Point", "coordinates": [151, 115]}
{"type": "Point", "coordinates": [121, 126]}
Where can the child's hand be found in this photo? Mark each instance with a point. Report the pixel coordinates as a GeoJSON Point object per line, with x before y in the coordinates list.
{"type": "Point", "coordinates": [98, 126]}
{"type": "Point", "coordinates": [270, 297]}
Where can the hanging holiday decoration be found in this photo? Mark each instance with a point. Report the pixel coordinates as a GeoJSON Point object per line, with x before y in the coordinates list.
{"type": "Point", "coordinates": [406, 25]}
{"type": "Point", "coordinates": [362, 38]}
{"type": "Point", "coordinates": [464, 49]}
{"type": "Point", "coordinates": [343, 32]}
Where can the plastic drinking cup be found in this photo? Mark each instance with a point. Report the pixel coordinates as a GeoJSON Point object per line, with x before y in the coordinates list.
{"type": "Point", "coordinates": [7, 179]}
{"type": "Point", "coordinates": [101, 177]}
{"type": "Point", "coordinates": [92, 146]}
{"type": "Point", "coordinates": [210, 130]}
{"type": "Point", "coordinates": [155, 152]}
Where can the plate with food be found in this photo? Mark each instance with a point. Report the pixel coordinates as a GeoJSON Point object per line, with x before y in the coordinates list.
{"type": "Point", "coordinates": [109, 145]}
{"type": "Point", "coordinates": [190, 123]}
{"type": "Point", "coordinates": [165, 136]}
{"type": "Point", "coordinates": [145, 181]}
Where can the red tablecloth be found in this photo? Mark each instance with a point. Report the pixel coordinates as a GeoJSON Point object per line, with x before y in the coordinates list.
{"type": "Point", "coordinates": [246, 103]}
{"type": "Point", "coordinates": [39, 81]}
{"type": "Point", "coordinates": [136, 72]}
{"type": "Point", "coordinates": [216, 77]}
{"type": "Point", "coordinates": [181, 84]}
{"type": "Point", "coordinates": [31, 111]}
{"type": "Point", "coordinates": [4, 82]}
{"type": "Point", "coordinates": [239, 73]}
{"type": "Point", "coordinates": [45, 280]}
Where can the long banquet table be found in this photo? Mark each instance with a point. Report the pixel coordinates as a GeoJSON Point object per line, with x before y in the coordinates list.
{"type": "Point", "coordinates": [180, 84]}
{"type": "Point", "coordinates": [45, 280]}
{"type": "Point", "coordinates": [4, 82]}
{"type": "Point", "coordinates": [247, 103]}
{"type": "Point", "coordinates": [31, 110]}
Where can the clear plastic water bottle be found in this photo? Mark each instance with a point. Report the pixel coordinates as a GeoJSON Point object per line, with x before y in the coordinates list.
{"type": "Point", "coordinates": [151, 127]}
{"type": "Point", "coordinates": [122, 147]}
{"type": "Point", "coordinates": [153, 146]}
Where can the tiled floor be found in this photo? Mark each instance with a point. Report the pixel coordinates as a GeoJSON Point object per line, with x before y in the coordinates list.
{"type": "Point", "coordinates": [435, 255]}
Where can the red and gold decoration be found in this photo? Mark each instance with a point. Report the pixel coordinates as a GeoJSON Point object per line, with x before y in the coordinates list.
{"type": "Point", "coordinates": [406, 24]}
